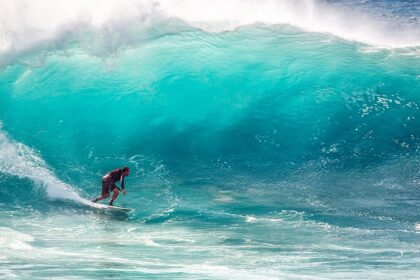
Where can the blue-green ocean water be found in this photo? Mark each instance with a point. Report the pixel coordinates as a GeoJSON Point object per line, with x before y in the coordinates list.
{"type": "Point", "coordinates": [263, 152]}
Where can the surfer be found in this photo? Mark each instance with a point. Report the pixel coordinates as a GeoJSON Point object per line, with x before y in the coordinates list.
{"type": "Point", "coordinates": [108, 184]}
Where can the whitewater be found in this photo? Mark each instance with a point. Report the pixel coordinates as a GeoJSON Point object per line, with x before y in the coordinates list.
{"type": "Point", "coordinates": [266, 139]}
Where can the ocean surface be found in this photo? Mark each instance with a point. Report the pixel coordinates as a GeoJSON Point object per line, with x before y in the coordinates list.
{"type": "Point", "coordinates": [266, 139]}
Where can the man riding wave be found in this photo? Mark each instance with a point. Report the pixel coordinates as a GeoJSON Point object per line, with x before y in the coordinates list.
{"type": "Point", "coordinates": [108, 184]}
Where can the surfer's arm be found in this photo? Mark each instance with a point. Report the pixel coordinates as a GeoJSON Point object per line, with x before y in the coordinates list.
{"type": "Point", "coordinates": [121, 190]}
{"type": "Point", "coordinates": [122, 184]}
{"type": "Point", "coordinates": [115, 187]}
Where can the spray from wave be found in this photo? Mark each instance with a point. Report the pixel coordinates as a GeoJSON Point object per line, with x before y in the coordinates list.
{"type": "Point", "coordinates": [16, 159]}
{"type": "Point", "coordinates": [105, 26]}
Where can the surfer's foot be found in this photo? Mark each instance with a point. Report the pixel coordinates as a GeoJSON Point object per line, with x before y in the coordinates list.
{"type": "Point", "coordinates": [110, 203]}
{"type": "Point", "coordinates": [95, 200]}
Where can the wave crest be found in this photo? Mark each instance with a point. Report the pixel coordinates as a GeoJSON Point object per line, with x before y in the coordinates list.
{"type": "Point", "coordinates": [27, 26]}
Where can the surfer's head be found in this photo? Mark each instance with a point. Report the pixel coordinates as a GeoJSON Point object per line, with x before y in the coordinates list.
{"type": "Point", "coordinates": [126, 171]}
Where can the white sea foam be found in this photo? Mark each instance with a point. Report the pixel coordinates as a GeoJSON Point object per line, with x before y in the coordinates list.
{"type": "Point", "coordinates": [15, 240]}
{"type": "Point", "coordinates": [16, 159]}
{"type": "Point", "coordinates": [27, 25]}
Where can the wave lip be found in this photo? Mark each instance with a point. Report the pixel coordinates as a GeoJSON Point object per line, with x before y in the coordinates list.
{"type": "Point", "coordinates": [310, 15]}
{"type": "Point", "coordinates": [29, 26]}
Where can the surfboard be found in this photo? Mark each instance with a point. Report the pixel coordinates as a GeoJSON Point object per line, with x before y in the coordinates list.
{"type": "Point", "coordinates": [110, 208]}
{"type": "Point", "coordinates": [118, 209]}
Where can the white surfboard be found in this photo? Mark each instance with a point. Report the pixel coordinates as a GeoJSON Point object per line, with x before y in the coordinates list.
{"type": "Point", "coordinates": [110, 208]}
{"type": "Point", "coordinates": [118, 209]}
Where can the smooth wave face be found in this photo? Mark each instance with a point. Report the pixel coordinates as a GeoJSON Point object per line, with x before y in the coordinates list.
{"type": "Point", "coordinates": [262, 145]}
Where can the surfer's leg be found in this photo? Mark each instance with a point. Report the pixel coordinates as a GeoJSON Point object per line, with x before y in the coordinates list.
{"type": "Point", "coordinates": [100, 197]}
{"type": "Point", "coordinates": [114, 196]}
{"type": "Point", "coordinates": [105, 190]}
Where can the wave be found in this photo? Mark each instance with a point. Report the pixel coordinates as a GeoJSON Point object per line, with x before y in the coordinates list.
{"type": "Point", "coordinates": [262, 100]}
{"type": "Point", "coordinates": [27, 26]}
{"type": "Point", "coordinates": [231, 96]}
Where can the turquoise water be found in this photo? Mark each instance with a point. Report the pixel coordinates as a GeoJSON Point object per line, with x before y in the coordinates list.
{"type": "Point", "coordinates": [266, 151]}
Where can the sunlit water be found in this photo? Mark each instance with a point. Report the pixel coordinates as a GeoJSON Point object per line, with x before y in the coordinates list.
{"type": "Point", "coordinates": [265, 142]}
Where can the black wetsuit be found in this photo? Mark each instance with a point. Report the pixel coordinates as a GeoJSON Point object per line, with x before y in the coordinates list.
{"type": "Point", "coordinates": [108, 181]}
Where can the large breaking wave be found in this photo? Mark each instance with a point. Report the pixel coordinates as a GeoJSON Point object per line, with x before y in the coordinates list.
{"type": "Point", "coordinates": [103, 27]}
